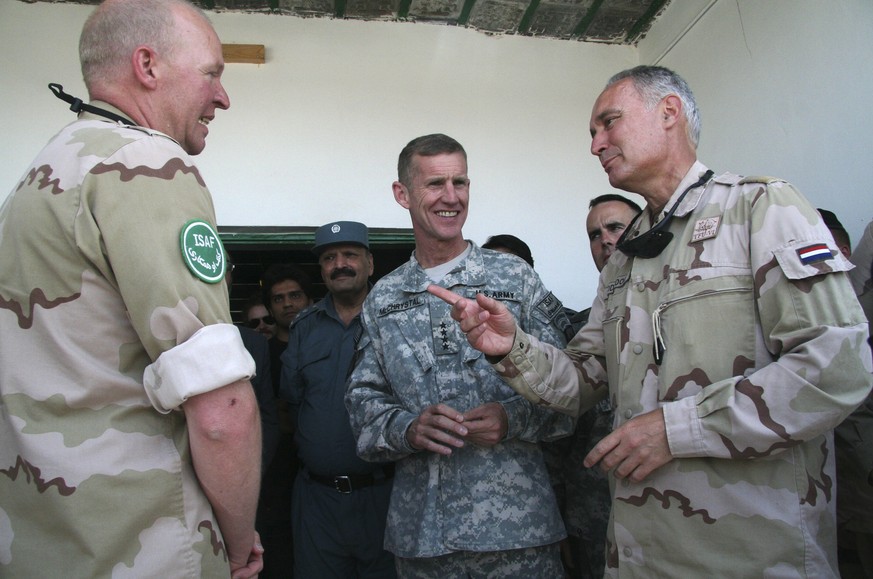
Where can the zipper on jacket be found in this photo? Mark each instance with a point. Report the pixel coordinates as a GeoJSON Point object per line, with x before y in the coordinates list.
{"type": "Point", "coordinates": [659, 346]}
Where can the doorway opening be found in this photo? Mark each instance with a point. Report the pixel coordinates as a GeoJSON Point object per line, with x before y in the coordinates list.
{"type": "Point", "coordinates": [253, 249]}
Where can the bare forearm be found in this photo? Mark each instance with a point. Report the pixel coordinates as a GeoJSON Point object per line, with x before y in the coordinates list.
{"type": "Point", "coordinates": [225, 438]}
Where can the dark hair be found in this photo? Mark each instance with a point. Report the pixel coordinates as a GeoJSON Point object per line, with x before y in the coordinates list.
{"type": "Point", "coordinates": [613, 197]}
{"type": "Point", "coordinates": [839, 233]}
{"type": "Point", "coordinates": [281, 272]}
{"type": "Point", "coordinates": [426, 146]}
{"type": "Point", "coordinates": [513, 244]}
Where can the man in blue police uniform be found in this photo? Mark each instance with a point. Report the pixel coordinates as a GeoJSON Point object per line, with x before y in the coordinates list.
{"type": "Point", "coordinates": [340, 501]}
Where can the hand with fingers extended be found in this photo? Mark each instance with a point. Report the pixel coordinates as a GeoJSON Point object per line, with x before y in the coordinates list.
{"type": "Point", "coordinates": [437, 429]}
{"type": "Point", "coordinates": [488, 324]}
{"type": "Point", "coordinates": [635, 449]}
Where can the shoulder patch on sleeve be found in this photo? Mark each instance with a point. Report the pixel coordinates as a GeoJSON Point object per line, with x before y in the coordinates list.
{"type": "Point", "coordinates": [802, 259]}
{"type": "Point", "coordinates": [550, 306]}
{"type": "Point", "coordinates": [760, 179]}
{"type": "Point", "coordinates": [202, 251]}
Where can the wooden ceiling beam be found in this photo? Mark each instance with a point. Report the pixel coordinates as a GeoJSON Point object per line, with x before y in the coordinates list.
{"type": "Point", "coordinates": [243, 53]}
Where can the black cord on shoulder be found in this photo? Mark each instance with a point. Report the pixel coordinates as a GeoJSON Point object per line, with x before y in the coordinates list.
{"type": "Point", "coordinates": [76, 105]}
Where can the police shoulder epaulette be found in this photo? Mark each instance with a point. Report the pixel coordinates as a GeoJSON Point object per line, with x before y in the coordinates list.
{"type": "Point", "coordinates": [303, 314]}
{"type": "Point", "coordinates": [760, 179]}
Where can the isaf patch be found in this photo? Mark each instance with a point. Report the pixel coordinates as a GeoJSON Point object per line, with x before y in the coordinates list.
{"type": "Point", "coordinates": [550, 306]}
{"type": "Point", "coordinates": [202, 251]}
{"type": "Point", "coordinates": [814, 253]}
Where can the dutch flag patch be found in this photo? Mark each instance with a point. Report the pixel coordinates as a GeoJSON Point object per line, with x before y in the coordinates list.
{"type": "Point", "coordinates": [814, 253]}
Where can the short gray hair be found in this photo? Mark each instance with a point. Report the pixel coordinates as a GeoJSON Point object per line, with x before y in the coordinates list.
{"type": "Point", "coordinates": [656, 82]}
{"type": "Point", "coordinates": [117, 27]}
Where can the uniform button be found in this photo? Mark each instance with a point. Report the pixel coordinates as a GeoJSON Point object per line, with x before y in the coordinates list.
{"type": "Point", "coordinates": [638, 349]}
{"type": "Point", "coordinates": [627, 551]}
{"type": "Point", "coordinates": [628, 413]}
{"type": "Point", "coordinates": [540, 388]}
{"type": "Point", "coordinates": [641, 287]}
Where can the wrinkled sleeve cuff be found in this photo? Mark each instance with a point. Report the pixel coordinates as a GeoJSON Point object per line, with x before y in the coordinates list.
{"type": "Point", "coordinates": [684, 428]}
{"type": "Point", "coordinates": [518, 412]}
{"type": "Point", "coordinates": [397, 433]}
{"type": "Point", "coordinates": [520, 371]}
{"type": "Point", "coordinates": [210, 359]}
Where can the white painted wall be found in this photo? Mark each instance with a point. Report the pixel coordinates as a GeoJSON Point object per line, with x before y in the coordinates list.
{"type": "Point", "coordinates": [784, 88]}
{"type": "Point", "coordinates": [313, 135]}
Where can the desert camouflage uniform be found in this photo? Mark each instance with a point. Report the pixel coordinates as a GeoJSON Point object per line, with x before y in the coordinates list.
{"type": "Point", "coordinates": [95, 480]}
{"type": "Point", "coordinates": [413, 355]}
{"type": "Point", "coordinates": [764, 355]}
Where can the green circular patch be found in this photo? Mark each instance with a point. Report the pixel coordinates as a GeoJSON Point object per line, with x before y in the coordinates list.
{"type": "Point", "coordinates": [202, 251]}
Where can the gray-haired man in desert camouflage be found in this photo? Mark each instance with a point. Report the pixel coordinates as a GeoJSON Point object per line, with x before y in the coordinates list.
{"type": "Point", "coordinates": [129, 436]}
{"type": "Point", "coordinates": [729, 341]}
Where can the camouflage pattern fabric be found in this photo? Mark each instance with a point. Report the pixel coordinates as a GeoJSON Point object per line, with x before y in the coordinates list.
{"type": "Point", "coordinates": [764, 350]}
{"type": "Point", "coordinates": [532, 563]}
{"type": "Point", "coordinates": [583, 493]}
{"type": "Point", "coordinates": [94, 481]}
{"type": "Point", "coordinates": [412, 355]}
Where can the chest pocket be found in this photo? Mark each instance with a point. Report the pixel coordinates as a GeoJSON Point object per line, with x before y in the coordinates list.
{"type": "Point", "coordinates": [704, 332]}
{"type": "Point", "coordinates": [406, 348]}
{"type": "Point", "coordinates": [614, 331]}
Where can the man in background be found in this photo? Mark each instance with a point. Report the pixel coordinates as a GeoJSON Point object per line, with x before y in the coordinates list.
{"type": "Point", "coordinates": [507, 243]}
{"type": "Point", "coordinates": [257, 317]}
{"type": "Point", "coordinates": [340, 501]}
{"type": "Point", "coordinates": [585, 491]}
{"type": "Point", "coordinates": [608, 216]}
{"type": "Point", "coordinates": [256, 345]}
{"type": "Point", "coordinates": [853, 439]}
{"type": "Point", "coordinates": [839, 233]}
{"type": "Point", "coordinates": [287, 292]}
{"type": "Point", "coordinates": [125, 448]}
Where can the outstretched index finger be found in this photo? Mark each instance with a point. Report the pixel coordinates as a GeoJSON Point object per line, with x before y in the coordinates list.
{"type": "Point", "coordinates": [444, 294]}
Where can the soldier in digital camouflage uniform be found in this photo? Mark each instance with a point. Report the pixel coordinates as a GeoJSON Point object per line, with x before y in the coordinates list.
{"type": "Point", "coordinates": [471, 494]}
{"type": "Point", "coordinates": [129, 437]}
{"type": "Point", "coordinates": [729, 353]}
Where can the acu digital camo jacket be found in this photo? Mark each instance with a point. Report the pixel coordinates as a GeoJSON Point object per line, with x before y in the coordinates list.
{"type": "Point", "coordinates": [96, 477]}
{"type": "Point", "coordinates": [763, 350]}
{"type": "Point", "coordinates": [413, 355]}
